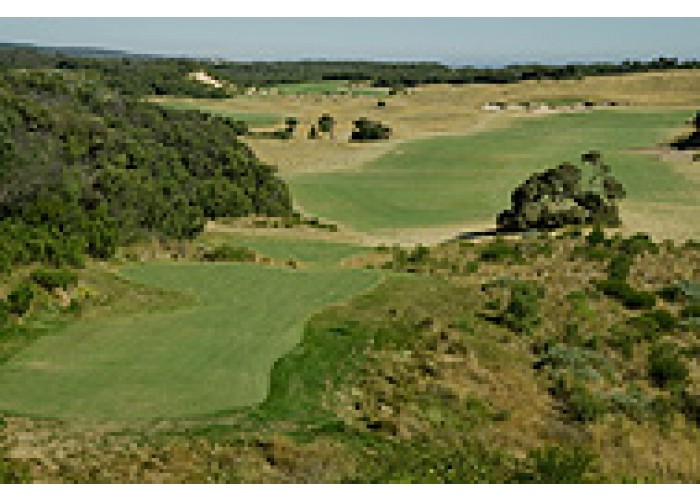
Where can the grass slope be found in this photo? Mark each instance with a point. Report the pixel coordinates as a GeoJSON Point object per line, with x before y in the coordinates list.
{"type": "Point", "coordinates": [252, 119]}
{"type": "Point", "coordinates": [447, 180]}
{"type": "Point", "coordinates": [307, 251]}
{"type": "Point", "coordinates": [202, 359]}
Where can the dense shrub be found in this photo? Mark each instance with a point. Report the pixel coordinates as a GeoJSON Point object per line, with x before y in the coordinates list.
{"type": "Point", "coordinates": [671, 293]}
{"type": "Point", "coordinates": [582, 405]}
{"type": "Point", "coordinates": [114, 169]}
{"type": "Point", "coordinates": [367, 130]}
{"type": "Point", "coordinates": [596, 237]}
{"type": "Point", "coordinates": [638, 244]}
{"type": "Point", "coordinates": [652, 324]}
{"type": "Point", "coordinates": [20, 299]}
{"type": "Point", "coordinates": [629, 297]}
{"type": "Point", "coordinates": [228, 253]}
{"type": "Point", "coordinates": [522, 314]}
{"type": "Point", "coordinates": [49, 279]}
{"type": "Point", "coordinates": [666, 368]}
{"type": "Point", "coordinates": [555, 465]}
{"type": "Point", "coordinates": [691, 311]}
{"type": "Point", "coordinates": [619, 268]}
{"type": "Point", "coordinates": [4, 314]}
{"type": "Point", "coordinates": [498, 251]}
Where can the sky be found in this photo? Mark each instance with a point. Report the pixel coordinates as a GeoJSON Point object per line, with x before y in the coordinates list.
{"type": "Point", "coordinates": [478, 41]}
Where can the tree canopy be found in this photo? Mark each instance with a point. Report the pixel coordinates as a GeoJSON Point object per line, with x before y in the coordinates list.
{"type": "Point", "coordinates": [559, 196]}
{"type": "Point", "coordinates": [84, 168]}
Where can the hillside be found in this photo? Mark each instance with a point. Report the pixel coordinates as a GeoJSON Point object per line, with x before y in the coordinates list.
{"type": "Point", "coordinates": [85, 169]}
{"type": "Point", "coordinates": [174, 308]}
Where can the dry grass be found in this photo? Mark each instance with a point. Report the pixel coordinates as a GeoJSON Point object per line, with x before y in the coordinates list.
{"type": "Point", "coordinates": [456, 110]}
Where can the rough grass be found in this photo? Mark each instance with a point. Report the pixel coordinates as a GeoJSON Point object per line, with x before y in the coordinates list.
{"type": "Point", "coordinates": [331, 86]}
{"type": "Point", "coordinates": [212, 356]}
{"type": "Point", "coordinates": [305, 251]}
{"type": "Point", "coordinates": [446, 180]}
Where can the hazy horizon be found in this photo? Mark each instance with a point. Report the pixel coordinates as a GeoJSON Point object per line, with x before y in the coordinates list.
{"type": "Point", "coordinates": [453, 41]}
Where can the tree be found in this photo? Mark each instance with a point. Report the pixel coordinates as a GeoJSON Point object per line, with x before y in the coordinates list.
{"type": "Point", "coordinates": [693, 140]}
{"type": "Point", "coordinates": [559, 197]}
{"type": "Point", "coordinates": [367, 130]}
{"type": "Point", "coordinates": [326, 124]}
{"type": "Point", "coordinates": [313, 133]}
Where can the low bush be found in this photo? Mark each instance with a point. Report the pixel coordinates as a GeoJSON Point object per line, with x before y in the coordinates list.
{"type": "Point", "coordinates": [20, 299]}
{"type": "Point", "coordinates": [691, 311]}
{"type": "Point", "coordinates": [552, 464]}
{"type": "Point", "coordinates": [4, 314]}
{"type": "Point", "coordinates": [584, 406]}
{"type": "Point", "coordinates": [666, 368]}
{"type": "Point", "coordinates": [228, 253]}
{"type": "Point", "coordinates": [367, 130]}
{"type": "Point", "coordinates": [522, 314]}
{"type": "Point", "coordinates": [620, 265]}
{"type": "Point", "coordinates": [652, 324]}
{"type": "Point", "coordinates": [597, 253]}
{"type": "Point", "coordinates": [50, 279]}
{"type": "Point", "coordinates": [596, 237]}
{"type": "Point", "coordinates": [638, 244]}
{"type": "Point", "coordinates": [671, 293]}
{"type": "Point", "coordinates": [499, 251]}
{"type": "Point", "coordinates": [628, 296]}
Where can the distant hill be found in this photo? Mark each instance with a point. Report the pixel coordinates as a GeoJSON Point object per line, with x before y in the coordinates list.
{"type": "Point", "coordinates": [86, 52]}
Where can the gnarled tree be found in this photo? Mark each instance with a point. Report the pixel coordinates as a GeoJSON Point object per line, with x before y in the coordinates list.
{"type": "Point", "coordinates": [693, 140]}
{"type": "Point", "coordinates": [559, 196]}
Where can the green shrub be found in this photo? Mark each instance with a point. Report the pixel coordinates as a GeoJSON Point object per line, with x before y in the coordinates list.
{"type": "Point", "coordinates": [13, 472]}
{"type": "Point", "coordinates": [367, 130]}
{"type": "Point", "coordinates": [690, 406]}
{"type": "Point", "coordinates": [629, 297]}
{"type": "Point", "coordinates": [499, 251]}
{"type": "Point", "coordinates": [619, 268]}
{"type": "Point", "coordinates": [50, 279]}
{"type": "Point", "coordinates": [638, 244]}
{"type": "Point", "coordinates": [522, 314]}
{"type": "Point", "coordinates": [651, 324]}
{"type": "Point", "coordinates": [228, 253]}
{"type": "Point", "coordinates": [671, 293]}
{"type": "Point", "coordinates": [5, 263]}
{"type": "Point", "coordinates": [419, 255]}
{"type": "Point", "coordinates": [584, 406]}
{"type": "Point", "coordinates": [691, 311]}
{"type": "Point", "coordinates": [596, 237]}
{"type": "Point", "coordinates": [20, 299]}
{"type": "Point", "coordinates": [598, 253]}
{"type": "Point", "coordinates": [666, 368]}
{"type": "Point", "coordinates": [4, 314]}
{"type": "Point", "coordinates": [553, 464]}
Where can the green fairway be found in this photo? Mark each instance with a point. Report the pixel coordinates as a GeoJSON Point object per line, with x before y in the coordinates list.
{"type": "Point", "coordinates": [314, 252]}
{"type": "Point", "coordinates": [252, 119]}
{"type": "Point", "coordinates": [449, 180]}
{"type": "Point", "coordinates": [213, 356]}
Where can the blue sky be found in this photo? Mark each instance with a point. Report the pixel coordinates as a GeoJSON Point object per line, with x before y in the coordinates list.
{"type": "Point", "coordinates": [451, 40]}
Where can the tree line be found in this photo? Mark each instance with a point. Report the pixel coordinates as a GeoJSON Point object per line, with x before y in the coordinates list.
{"type": "Point", "coordinates": [138, 75]}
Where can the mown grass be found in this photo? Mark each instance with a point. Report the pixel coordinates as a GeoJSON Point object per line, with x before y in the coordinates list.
{"type": "Point", "coordinates": [446, 180]}
{"type": "Point", "coordinates": [214, 355]}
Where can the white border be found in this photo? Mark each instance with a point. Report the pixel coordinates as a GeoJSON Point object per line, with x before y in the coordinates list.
{"type": "Point", "coordinates": [350, 8]}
